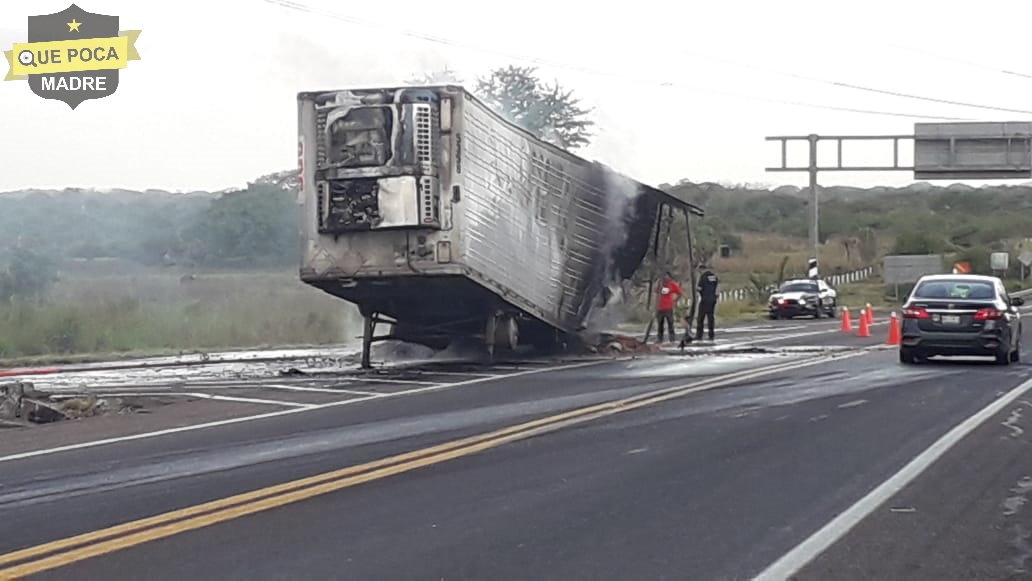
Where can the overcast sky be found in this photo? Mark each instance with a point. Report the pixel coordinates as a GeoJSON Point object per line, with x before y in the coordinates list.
{"type": "Point", "coordinates": [681, 90]}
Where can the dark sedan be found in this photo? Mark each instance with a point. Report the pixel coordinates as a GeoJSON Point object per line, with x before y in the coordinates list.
{"type": "Point", "coordinates": [961, 315]}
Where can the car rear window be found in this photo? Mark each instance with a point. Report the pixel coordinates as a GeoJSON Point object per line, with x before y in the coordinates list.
{"type": "Point", "coordinates": [799, 287]}
{"type": "Point", "coordinates": [955, 289]}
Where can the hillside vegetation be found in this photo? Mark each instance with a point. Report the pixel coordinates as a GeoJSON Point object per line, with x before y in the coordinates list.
{"type": "Point", "coordinates": [859, 226]}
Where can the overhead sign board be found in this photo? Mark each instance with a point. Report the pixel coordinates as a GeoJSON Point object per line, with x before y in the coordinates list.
{"type": "Point", "coordinates": [972, 150]}
{"type": "Point", "coordinates": [908, 268]}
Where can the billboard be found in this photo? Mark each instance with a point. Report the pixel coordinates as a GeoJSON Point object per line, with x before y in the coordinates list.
{"type": "Point", "coordinates": [908, 268]}
{"type": "Point", "coordinates": [972, 150]}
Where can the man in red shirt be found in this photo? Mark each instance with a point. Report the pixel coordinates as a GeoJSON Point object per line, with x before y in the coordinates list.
{"type": "Point", "coordinates": [669, 292]}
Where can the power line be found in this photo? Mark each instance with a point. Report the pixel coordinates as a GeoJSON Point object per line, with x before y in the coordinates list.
{"type": "Point", "coordinates": [953, 59]}
{"type": "Point", "coordinates": [290, 4]}
{"type": "Point", "coordinates": [852, 86]}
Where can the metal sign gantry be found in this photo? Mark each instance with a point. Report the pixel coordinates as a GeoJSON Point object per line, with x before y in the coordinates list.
{"type": "Point", "coordinates": [979, 150]}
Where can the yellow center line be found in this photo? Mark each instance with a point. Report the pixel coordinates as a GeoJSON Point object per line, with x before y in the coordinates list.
{"type": "Point", "coordinates": [174, 522]}
{"type": "Point", "coordinates": [276, 489]}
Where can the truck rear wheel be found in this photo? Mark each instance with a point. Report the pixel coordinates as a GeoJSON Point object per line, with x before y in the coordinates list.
{"type": "Point", "coordinates": [501, 333]}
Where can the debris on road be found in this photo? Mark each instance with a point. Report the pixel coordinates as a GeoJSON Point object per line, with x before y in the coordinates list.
{"type": "Point", "coordinates": [85, 407]}
{"type": "Point", "coordinates": [22, 401]}
{"type": "Point", "coordinates": [618, 343]}
{"type": "Point", "coordinates": [40, 412]}
{"type": "Point", "coordinates": [22, 404]}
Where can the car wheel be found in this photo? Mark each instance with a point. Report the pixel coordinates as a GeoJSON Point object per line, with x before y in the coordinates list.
{"type": "Point", "coordinates": [1003, 357]}
{"type": "Point", "coordinates": [906, 356]}
{"type": "Point", "coordinates": [831, 312]}
{"type": "Point", "coordinates": [817, 311]}
{"type": "Point", "coordinates": [1015, 356]}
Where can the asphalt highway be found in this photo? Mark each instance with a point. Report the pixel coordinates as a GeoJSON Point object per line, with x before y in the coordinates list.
{"type": "Point", "coordinates": [786, 450]}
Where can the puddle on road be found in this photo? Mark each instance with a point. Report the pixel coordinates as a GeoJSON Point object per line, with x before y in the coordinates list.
{"type": "Point", "coordinates": [186, 371]}
{"type": "Point", "coordinates": [711, 364]}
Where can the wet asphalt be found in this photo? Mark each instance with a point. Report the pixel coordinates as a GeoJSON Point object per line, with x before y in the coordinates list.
{"type": "Point", "coordinates": [717, 483]}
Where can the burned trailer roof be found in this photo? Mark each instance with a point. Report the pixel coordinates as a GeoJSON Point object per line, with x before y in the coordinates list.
{"type": "Point", "coordinates": [421, 92]}
{"type": "Point", "coordinates": [640, 224]}
{"type": "Point", "coordinates": [655, 195]}
{"type": "Point", "coordinates": [674, 199]}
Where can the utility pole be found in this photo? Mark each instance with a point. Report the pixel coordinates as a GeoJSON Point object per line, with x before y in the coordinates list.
{"type": "Point", "coordinates": [815, 240]}
{"type": "Point", "coordinates": [813, 168]}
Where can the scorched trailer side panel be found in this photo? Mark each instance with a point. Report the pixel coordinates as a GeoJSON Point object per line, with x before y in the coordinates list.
{"type": "Point", "coordinates": [424, 205]}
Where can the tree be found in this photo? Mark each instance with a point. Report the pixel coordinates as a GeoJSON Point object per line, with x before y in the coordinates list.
{"type": "Point", "coordinates": [917, 242]}
{"type": "Point", "coordinates": [254, 227]}
{"type": "Point", "coordinates": [550, 112]}
{"type": "Point", "coordinates": [445, 76]}
{"type": "Point", "coordinates": [29, 274]}
{"type": "Point", "coordinates": [868, 245]}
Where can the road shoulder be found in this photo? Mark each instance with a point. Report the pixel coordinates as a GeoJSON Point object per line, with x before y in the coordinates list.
{"type": "Point", "coordinates": [966, 517]}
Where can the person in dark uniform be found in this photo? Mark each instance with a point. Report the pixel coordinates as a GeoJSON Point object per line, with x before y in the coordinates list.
{"type": "Point", "coordinates": [707, 301]}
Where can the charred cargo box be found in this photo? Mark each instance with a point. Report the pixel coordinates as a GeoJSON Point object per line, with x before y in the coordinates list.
{"type": "Point", "coordinates": [429, 211]}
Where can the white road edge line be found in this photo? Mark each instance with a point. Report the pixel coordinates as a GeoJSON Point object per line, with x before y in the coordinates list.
{"type": "Point", "coordinates": [387, 380]}
{"type": "Point", "coordinates": [793, 561]}
{"type": "Point", "coordinates": [793, 336]}
{"type": "Point", "coordinates": [230, 421]}
{"type": "Point", "coordinates": [317, 389]}
{"type": "Point", "coordinates": [199, 395]}
{"type": "Point", "coordinates": [363, 393]}
{"type": "Point", "coordinates": [461, 373]}
{"type": "Point", "coordinates": [293, 404]}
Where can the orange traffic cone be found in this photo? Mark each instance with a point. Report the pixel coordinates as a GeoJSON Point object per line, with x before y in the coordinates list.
{"type": "Point", "coordinates": [865, 331]}
{"type": "Point", "coordinates": [870, 314]}
{"type": "Point", "coordinates": [895, 337]}
{"type": "Point", "coordinates": [847, 322]}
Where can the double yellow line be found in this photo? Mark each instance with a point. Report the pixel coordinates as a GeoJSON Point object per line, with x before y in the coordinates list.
{"type": "Point", "coordinates": [70, 550]}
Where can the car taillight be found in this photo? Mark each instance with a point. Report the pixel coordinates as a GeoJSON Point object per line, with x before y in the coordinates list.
{"type": "Point", "coordinates": [782, 302]}
{"type": "Point", "coordinates": [988, 315]}
{"type": "Point", "coordinates": [915, 313]}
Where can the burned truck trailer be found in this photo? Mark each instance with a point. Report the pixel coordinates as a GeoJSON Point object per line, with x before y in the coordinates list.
{"type": "Point", "coordinates": [437, 217]}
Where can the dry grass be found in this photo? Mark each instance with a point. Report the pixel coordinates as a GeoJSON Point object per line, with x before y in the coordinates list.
{"type": "Point", "coordinates": [854, 296]}
{"type": "Point", "coordinates": [740, 311]}
{"type": "Point", "coordinates": [157, 312]}
{"type": "Point", "coordinates": [762, 254]}
{"type": "Point", "coordinates": [761, 257]}
{"type": "Point", "coordinates": [872, 292]}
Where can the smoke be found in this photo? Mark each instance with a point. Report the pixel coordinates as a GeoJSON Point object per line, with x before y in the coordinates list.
{"type": "Point", "coordinates": [460, 350]}
{"type": "Point", "coordinates": [609, 305]}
